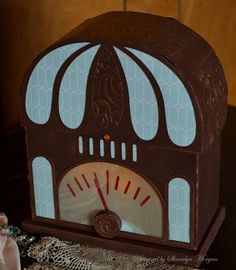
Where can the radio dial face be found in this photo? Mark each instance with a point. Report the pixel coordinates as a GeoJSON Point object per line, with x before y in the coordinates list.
{"type": "Point", "coordinates": [111, 198]}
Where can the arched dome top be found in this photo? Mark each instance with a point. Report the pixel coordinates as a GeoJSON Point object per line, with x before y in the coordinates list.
{"type": "Point", "coordinates": [183, 51]}
{"type": "Point", "coordinates": [189, 55]}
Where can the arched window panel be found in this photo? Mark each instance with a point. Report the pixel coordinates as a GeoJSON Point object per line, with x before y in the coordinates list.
{"type": "Point", "coordinates": [142, 99]}
{"type": "Point", "coordinates": [43, 188]}
{"type": "Point", "coordinates": [73, 88]}
{"type": "Point", "coordinates": [40, 85]}
{"type": "Point", "coordinates": [179, 210]}
{"type": "Point", "coordinates": [180, 116]}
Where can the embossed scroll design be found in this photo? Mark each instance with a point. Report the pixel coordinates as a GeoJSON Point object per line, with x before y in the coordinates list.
{"type": "Point", "coordinates": [214, 96]}
{"type": "Point", "coordinates": [107, 90]}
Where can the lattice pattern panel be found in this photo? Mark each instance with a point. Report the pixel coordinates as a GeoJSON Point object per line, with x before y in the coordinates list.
{"type": "Point", "coordinates": [73, 89]}
{"type": "Point", "coordinates": [180, 116]}
{"type": "Point", "coordinates": [143, 103]}
{"type": "Point", "coordinates": [179, 210]}
{"type": "Point", "coordinates": [40, 85]}
{"type": "Point", "coordinates": [43, 188]}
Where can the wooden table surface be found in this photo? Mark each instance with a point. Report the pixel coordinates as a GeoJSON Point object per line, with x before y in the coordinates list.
{"type": "Point", "coordinates": [14, 196]}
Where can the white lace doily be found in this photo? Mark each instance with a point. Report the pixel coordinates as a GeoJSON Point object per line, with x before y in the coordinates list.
{"type": "Point", "coordinates": [53, 254]}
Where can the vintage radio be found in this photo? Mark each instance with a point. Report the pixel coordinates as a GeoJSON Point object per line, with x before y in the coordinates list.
{"type": "Point", "coordinates": [123, 120]}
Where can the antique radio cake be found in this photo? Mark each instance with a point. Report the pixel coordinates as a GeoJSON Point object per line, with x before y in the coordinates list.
{"type": "Point", "coordinates": [123, 120]}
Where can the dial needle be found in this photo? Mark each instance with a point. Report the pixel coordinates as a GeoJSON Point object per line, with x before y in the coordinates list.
{"type": "Point", "coordinates": [97, 184]}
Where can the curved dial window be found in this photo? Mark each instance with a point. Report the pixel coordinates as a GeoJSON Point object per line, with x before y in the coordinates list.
{"type": "Point", "coordinates": [92, 187]}
{"type": "Point", "coordinates": [73, 87]}
{"type": "Point", "coordinates": [180, 116]}
{"type": "Point", "coordinates": [142, 99]}
{"type": "Point", "coordinates": [38, 99]}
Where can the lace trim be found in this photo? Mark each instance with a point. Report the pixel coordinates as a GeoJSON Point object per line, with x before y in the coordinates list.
{"type": "Point", "coordinates": [54, 254]}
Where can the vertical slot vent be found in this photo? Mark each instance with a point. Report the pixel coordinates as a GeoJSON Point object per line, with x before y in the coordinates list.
{"type": "Point", "coordinates": [101, 148]}
{"type": "Point", "coordinates": [123, 151]}
{"type": "Point", "coordinates": [102, 151]}
{"type": "Point", "coordinates": [134, 152]}
{"type": "Point", "coordinates": [91, 146]}
{"type": "Point", "coordinates": [81, 145]}
{"type": "Point", "coordinates": [112, 149]}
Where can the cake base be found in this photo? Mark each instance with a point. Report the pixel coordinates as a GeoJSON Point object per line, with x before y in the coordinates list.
{"type": "Point", "coordinates": [166, 254]}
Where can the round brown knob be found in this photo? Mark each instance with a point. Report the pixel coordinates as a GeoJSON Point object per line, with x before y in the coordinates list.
{"type": "Point", "coordinates": [107, 224]}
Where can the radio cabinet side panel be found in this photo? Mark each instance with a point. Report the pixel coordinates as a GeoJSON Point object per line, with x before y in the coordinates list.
{"type": "Point", "coordinates": [208, 192]}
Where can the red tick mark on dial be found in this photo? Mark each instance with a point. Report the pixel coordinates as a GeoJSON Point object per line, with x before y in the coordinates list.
{"type": "Point", "coordinates": [117, 182]}
{"type": "Point", "coordinates": [145, 200]}
{"type": "Point", "coordinates": [71, 190]}
{"type": "Point", "coordinates": [136, 193]}
{"type": "Point", "coordinates": [97, 184]}
{"type": "Point", "coordinates": [86, 181]}
{"type": "Point", "coordinates": [108, 180]}
{"type": "Point", "coordinates": [127, 187]}
{"type": "Point", "coordinates": [78, 183]}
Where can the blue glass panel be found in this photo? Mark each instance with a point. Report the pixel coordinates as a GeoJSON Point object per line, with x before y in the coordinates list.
{"type": "Point", "coordinates": [91, 150]}
{"type": "Point", "coordinates": [43, 188]}
{"type": "Point", "coordinates": [134, 151]}
{"type": "Point", "coordinates": [123, 151]}
{"type": "Point", "coordinates": [112, 148]}
{"type": "Point", "coordinates": [81, 145]}
{"type": "Point", "coordinates": [143, 103]}
{"type": "Point", "coordinates": [179, 210]}
{"type": "Point", "coordinates": [102, 148]}
{"type": "Point", "coordinates": [180, 116]}
{"type": "Point", "coordinates": [73, 88]}
{"type": "Point", "coordinates": [40, 86]}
